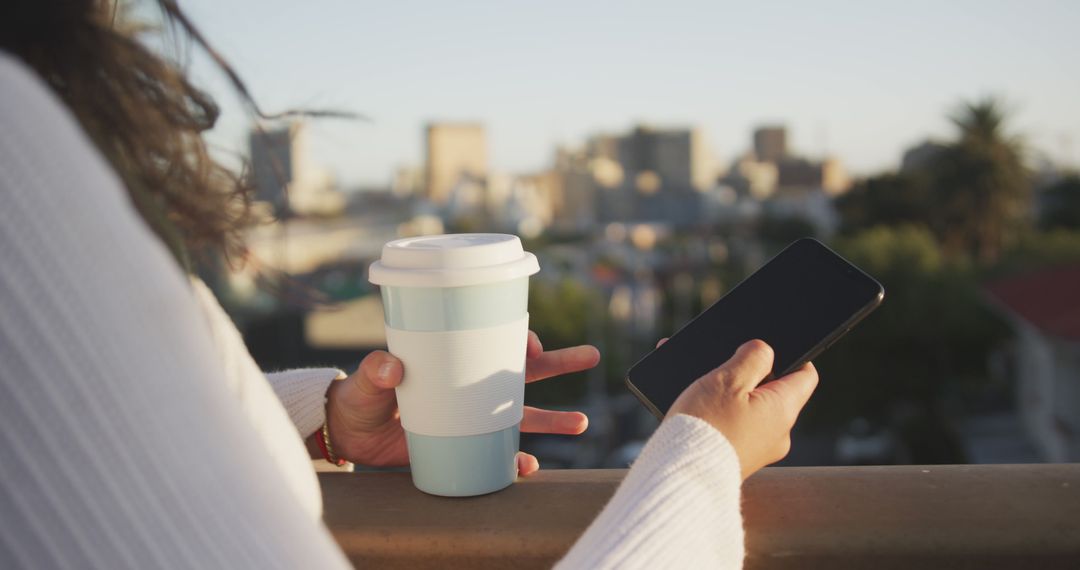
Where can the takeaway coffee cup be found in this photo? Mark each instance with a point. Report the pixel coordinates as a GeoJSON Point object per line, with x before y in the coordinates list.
{"type": "Point", "coordinates": [456, 316]}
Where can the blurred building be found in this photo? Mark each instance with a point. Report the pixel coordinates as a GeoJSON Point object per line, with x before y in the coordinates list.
{"type": "Point", "coordinates": [807, 203]}
{"type": "Point", "coordinates": [921, 156]}
{"type": "Point", "coordinates": [666, 159]}
{"type": "Point", "coordinates": [771, 167]}
{"type": "Point", "coordinates": [407, 181]}
{"type": "Point", "coordinates": [286, 178]}
{"type": "Point", "coordinates": [530, 205]}
{"type": "Point", "coordinates": [466, 201]}
{"type": "Point", "coordinates": [604, 146]}
{"type": "Point", "coordinates": [752, 178]}
{"type": "Point", "coordinates": [275, 156]}
{"type": "Point", "coordinates": [787, 185]}
{"type": "Point", "coordinates": [1043, 309]}
{"type": "Point", "coordinates": [798, 173]}
{"type": "Point", "coordinates": [835, 179]}
{"type": "Point", "coordinates": [828, 175]}
{"type": "Point", "coordinates": [453, 150]}
{"type": "Point", "coordinates": [647, 175]}
{"type": "Point", "coordinates": [577, 177]}
{"type": "Point", "coordinates": [770, 143]}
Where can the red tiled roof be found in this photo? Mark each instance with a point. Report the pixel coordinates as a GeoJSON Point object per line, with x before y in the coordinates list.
{"type": "Point", "coordinates": [1048, 299]}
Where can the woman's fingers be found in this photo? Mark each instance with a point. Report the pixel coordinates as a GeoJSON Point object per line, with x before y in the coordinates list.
{"type": "Point", "coordinates": [793, 390]}
{"type": "Point", "coordinates": [660, 342]}
{"type": "Point", "coordinates": [538, 366]}
{"type": "Point", "coordinates": [533, 346]}
{"type": "Point", "coordinates": [379, 371]}
{"type": "Point", "coordinates": [536, 420]}
{"type": "Point", "coordinates": [562, 361]}
{"type": "Point", "coordinates": [750, 365]}
{"type": "Point", "coordinates": [526, 464]}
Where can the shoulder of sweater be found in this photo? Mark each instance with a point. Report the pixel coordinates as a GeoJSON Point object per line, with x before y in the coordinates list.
{"type": "Point", "coordinates": [15, 74]}
{"type": "Point", "coordinates": [21, 89]}
{"type": "Point", "coordinates": [41, 133]}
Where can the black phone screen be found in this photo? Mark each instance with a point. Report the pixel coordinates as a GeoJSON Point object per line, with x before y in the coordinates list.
{"type": "Point", "coordinates": [799, 302]}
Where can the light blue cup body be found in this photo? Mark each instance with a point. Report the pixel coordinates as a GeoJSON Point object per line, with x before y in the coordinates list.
{"type": "Point", "coordinates": [460, 466]}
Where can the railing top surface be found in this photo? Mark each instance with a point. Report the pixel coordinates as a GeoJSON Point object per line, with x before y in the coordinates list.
{"type": "Point", "coordinates": [947, 516]}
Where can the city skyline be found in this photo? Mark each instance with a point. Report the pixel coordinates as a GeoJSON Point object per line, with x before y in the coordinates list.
{"type": "Point", "coordinates": [847, 80]}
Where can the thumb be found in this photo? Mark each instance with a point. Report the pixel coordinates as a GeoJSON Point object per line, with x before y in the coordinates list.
{"type": "Point", "coordinates": [378, 372]}
{"type": "Point", "coordinates": [794, 390]}
{"type": "Point", "coordinates": [751, 363]}
{"type": "Point", "coordinates": [366, 399]}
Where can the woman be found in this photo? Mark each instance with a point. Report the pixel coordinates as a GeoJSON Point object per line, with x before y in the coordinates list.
{"type": "Point", "coordinates": [135, 429]}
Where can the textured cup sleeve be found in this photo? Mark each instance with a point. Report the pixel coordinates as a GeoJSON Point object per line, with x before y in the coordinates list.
{"type": "Point", "coordinates": [460, 383]}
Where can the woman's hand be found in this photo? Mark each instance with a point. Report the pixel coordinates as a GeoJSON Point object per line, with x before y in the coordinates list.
{"type": "Point", "coordinates": [756, 419]}
{"type": "Point", "coordinates": [365, 426]}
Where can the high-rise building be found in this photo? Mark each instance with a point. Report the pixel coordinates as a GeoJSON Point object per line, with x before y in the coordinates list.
{"type": "Point", "coordinates": [453, 150]}
{"type": "Point", "coordinates": [834, 177]}
{"type": "Point", "coordinates": [407, 181]}
{"type": "Point", "coordinates": [666, 159]}
{"type": "Point", "coordinates": [799, 173]}
{"type": "Point", "coordinates": [280, 168]}
{"type": "Point", "coordinates": [604, 146]}
{"type": "Point", "coordinates": [751, 177]}
{"type": "Point", "coordinates": [664, 174]}
{"type": "Point", "coordinates": [577, 177]}
{"type": "Point", "coordinates": [276, 156]}
{"type": "Point", "coordinates": [828, 175]}
{"type": "Point", "coordinates": [770, 143]}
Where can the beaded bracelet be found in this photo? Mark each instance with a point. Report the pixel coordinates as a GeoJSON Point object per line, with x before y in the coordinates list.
{"type": "Point", "coordinates": [324, 445]}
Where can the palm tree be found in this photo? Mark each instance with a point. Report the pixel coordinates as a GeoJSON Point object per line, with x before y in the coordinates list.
{"type": "Point", "coordinates": [982, 188]}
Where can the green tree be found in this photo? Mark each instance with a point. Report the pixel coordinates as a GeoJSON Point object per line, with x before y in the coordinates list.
{"type": "Point", "coordinates": [982, 192]}
{"type": "Point", "coordinates": [926, 344]}
{"type": "Point", "coordinates": [1035, 250]}
{"type": "Point", "coordinates": [1061, 204]}
{"type": "Point", "coordinates": [887, 199]}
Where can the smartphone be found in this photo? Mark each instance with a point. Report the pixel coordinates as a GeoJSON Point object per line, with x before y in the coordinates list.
{"type": "Point", "coordinates": [800, 302]}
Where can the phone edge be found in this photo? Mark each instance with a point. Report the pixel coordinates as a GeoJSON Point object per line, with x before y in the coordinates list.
{"type": "Point", "coordinates": [838, 333]}
{"type": "Point", "coordinates": [729, 291]}
{"type": "Point", "coordinates": [813, 353]}
{"type": "Point", "coordinates": [641, 398]}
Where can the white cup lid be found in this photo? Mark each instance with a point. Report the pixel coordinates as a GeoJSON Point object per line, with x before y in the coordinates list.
{"type": "Point", "coordinates": [452, 260]}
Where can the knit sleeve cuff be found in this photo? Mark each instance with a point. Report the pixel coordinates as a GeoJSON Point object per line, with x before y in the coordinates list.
{"type": "Point", "coordinates": [677, 507]}
{"type": "Point", "coordinates": [303, 393]}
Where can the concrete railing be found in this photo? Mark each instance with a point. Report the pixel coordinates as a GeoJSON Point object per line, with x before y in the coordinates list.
{"type": "Point", "coordinates": [1001, 516]}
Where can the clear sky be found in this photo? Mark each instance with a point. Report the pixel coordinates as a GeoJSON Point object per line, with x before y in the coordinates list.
{"type": "Point", "coordinates": [861, 80]}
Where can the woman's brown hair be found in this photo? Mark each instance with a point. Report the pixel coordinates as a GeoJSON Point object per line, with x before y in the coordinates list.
{"type": "Point", "coordinates": [141, 112]}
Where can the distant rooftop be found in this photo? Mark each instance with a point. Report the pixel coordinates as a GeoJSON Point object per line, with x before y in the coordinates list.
{"type": "Point", "coordinates": [1048, 299]}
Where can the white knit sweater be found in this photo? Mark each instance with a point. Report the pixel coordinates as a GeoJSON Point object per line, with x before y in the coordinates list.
{"type": "Point", "coordinates": [137, 432]}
